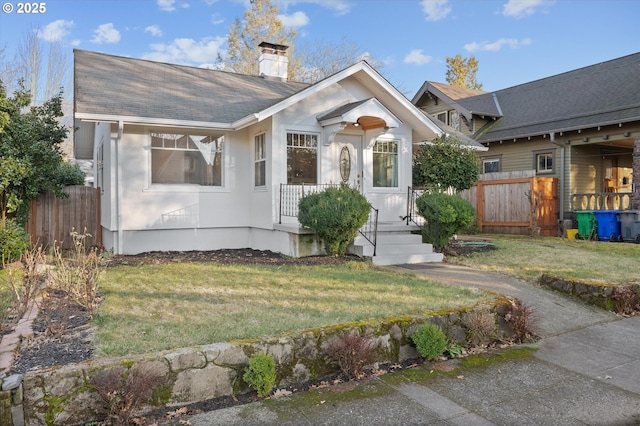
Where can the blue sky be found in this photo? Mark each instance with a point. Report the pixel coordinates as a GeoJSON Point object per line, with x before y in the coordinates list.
{"type": "Point", "coordinates": [515, 41]}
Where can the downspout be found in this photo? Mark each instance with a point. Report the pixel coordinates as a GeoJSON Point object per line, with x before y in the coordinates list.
{"type": "Point", "coordinates": [552, 135]}
{"type": "Point", "coordinates": [118, 190]}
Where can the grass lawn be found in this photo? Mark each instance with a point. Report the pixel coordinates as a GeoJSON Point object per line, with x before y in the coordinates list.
{"type": "Point", "coordinates": [156, 307]}
{"type": "Point", "coordinates": [529, 258]}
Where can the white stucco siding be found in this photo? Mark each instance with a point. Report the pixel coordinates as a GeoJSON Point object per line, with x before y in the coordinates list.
{"type": "Point", "coordinates": [147, 206]}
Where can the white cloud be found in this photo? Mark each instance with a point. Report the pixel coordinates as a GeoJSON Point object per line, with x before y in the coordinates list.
{"type": "Point", "coordinates": [297, 20]}
{"type": "Point", "coordinates": [154, 30]}
{"type": "Point", "coordinates": [497, 45]}
{"type": "Point", "coordinates": [417, 57]}
{"type": "Point", "coordinates": [187, 51]}
{"type": "Point", "coordinates": [167, 5]}
{"type": "Point", "coordinates": [522, 8]}
{"type": "Point", "coordinates": [55, 30]}
{"type": "Point", "coordinates": [106, 33]}
{"type": "Point", "coordinates": [436, 9]}
{"type": "Point", "coordinates": [341, 7]}
{"type": "Point", "coordinates": [217, 19]}
{"type": "Point", "coordinates": [76, 42]}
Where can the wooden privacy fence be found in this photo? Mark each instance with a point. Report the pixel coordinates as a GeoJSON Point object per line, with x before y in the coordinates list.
{"type": "Point", "coordinates": [503, 203]}
{"type": "Point", "coordinates": [53, 219]}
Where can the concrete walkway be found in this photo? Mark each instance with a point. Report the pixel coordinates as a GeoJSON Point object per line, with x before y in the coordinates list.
{"type": "Point", "coordinates": [584, 371]}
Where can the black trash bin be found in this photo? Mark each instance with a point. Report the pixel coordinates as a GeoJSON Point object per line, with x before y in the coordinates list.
{"type": "Point", "coordinates": [629, 225]}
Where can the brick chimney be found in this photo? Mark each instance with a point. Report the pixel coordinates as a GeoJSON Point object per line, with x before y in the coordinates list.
{"type": "Point", "coordinates": [273, 61]}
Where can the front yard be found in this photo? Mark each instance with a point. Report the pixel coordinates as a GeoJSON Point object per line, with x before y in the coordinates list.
{"type": "Point", "coordinates": [528, 258]}
{"type": "Point", "coordinates": [155, 307]}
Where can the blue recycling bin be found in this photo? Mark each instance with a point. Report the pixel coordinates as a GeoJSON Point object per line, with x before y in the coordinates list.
{"type": "Point", "coordinates": [607, 225]}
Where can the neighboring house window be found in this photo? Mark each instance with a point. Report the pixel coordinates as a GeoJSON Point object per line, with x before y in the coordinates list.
{"type": "Point", "coordinates": [443, 117]}
{"type": "Point", "coordinates": [385, 164]}
{"type": "Point", "coordinates": [260, 169]}
{"type": "Point", "coordinates": [186, 159]}
{"type": "Point", "coordinates": [543, 162]}
{"type": "Point", "coordinates": [302, 158]}
{"type": "Point", "coordinates": [490, 165]}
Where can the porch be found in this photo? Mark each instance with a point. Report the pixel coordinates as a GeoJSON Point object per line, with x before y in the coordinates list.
{"type": "Point", "coordinates": [601, 201]}
{"type": "Point", "coordinates": [387, 243]}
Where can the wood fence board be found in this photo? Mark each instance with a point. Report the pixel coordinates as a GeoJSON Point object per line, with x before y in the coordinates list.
{"type": "Point", "coordinates": [53, 219]}
{"type": "Point", "coordinates": [503, 206]}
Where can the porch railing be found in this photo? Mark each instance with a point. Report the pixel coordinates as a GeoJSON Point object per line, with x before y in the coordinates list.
{"type": "Point", "coordinates": [290, 196]}
{"type": "Point", "coordinates": [370, 229]}
{"type": "Point", "coordinates": [412, 213]}
{"type": "Point", "coordinates": [601, 201]}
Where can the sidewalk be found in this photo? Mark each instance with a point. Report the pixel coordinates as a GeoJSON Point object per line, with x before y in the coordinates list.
{"type": "Point", "coordinates": [584, 371]}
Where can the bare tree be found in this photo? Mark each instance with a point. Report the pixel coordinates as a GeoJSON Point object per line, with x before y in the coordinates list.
{"type": "Point", "coordinates": [321, 59]}
{"type": "Point", "coordinates": [28, 65]}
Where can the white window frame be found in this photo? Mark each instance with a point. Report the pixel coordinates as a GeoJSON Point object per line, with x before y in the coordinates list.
{"type": "Point", "coordinates": [486, 160]}
{"type": "Point", "coordinates": [536, 161]}
{"type": "Point", "coordinates": [311, 142]}
{"type": "Point", "coordinates": [260, 160]}
{"type": "Point", "coordinates": [395, 165]}
{"type": "Point", "coordinates": [186, 187]}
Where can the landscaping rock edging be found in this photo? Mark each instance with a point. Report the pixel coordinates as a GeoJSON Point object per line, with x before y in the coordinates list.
{"type": "Point", "coordinates": [64, 395]}
{"type": "Point", "coordinates": [597, 294]}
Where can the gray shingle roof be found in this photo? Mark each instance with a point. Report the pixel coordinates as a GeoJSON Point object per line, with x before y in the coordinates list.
{"type": "Point", "coordinates": [600, 94]}
{"type": "Point", "coordinates": [119, 86]}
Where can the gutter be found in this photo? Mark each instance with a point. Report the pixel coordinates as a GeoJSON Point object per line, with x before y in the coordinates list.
{"type": "Point", "coordinates": [120, 244]}
{"type": "Point", "coordinates": [552, 136]}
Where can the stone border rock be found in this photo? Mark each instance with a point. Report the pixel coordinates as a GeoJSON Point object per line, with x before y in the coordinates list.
{"type": "Point", "coordinates": [64, 395]}
{"type": "Point", "coordinates": [597, 294]}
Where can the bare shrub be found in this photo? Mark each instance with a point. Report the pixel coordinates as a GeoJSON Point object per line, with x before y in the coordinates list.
{"type": "Point", "coordinates": [522, 321]}
{"type": "Point", "coordinates": [24, 280]}
{"type": "Point", "coordinates": [123, 390]}
{"type": "Point", "coordinates": [481, 326]}
{"type": "Point", "coordinates": [78, 275]}
{"type": "Point", "coordinates": [351, 352]}
{"type": "Point", "coordinates": [626, 300]}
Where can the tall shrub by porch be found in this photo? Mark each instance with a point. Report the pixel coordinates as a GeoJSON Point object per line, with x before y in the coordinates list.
{"type": "Point", "coordinates": [335, 215]}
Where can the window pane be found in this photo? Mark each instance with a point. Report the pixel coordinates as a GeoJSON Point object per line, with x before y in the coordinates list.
{"type": "Point", "coordinates": [185, 159]}
{"type": "Point", "coordinates": [385, 164]}
{"type": "Point", "coordinates": [260, 161]}
{"type": "Point", "coordinates": [260, 173]}
{"type": "Point", "coordinates": [301, 165]}
{"type": "Point", "coordinates": [491, 166]}
{"type": "Point", "coordinates": [302, 158]}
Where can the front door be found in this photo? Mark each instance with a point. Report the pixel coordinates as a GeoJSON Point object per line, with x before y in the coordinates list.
{"type": "Point", "coordinates": [350, 160]}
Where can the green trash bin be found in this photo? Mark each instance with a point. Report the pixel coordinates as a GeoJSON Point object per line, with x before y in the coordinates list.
{"type": "Point", "coordinates": [586, 224]}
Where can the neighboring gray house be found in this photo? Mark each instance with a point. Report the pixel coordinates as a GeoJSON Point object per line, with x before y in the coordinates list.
{"type": "Point", "coordinates": [197, 159]}
{"type": "Point", "coordinates": [582, 126]}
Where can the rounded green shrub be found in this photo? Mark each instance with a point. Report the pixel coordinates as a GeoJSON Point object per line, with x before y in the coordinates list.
{"type": "Point", "coordinates": [260, 374]}
{"type": "Point", "coordinates": [13, 241]}
{"type": "Point", "coordinates": [430, 341]}
{"type": "Point", "coordinates": [445, 215]}
{"type": "Point", "coordinates": [335, 215]}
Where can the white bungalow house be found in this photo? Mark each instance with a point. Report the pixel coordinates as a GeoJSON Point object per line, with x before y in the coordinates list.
{"type": "Point", "coordinates": [198, 159]}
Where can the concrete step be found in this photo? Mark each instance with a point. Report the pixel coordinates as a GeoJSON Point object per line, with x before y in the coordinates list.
{"type": "Point", "coordinates": [396, 245]}
{"type": "Point", "coordinates": [402, 259]}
